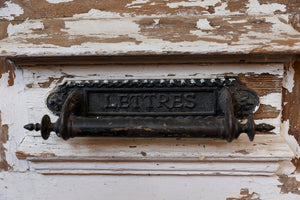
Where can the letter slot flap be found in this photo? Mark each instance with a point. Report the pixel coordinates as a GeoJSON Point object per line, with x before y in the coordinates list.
{"type": "Point", "coordinates": [213, 108]}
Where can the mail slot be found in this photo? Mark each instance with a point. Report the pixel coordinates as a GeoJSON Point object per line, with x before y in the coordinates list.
{"type": "Point", "coordinates": [213, 108]}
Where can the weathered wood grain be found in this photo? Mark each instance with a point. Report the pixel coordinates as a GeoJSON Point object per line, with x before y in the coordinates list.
{"type": "Point", "coordinates": [264, 147]}
{"type": "Point", "coordinates": [117, 27]}
{"type": "Point", "coordinates": [143, 187]}
{"type": "Point", "coordinates": [291, 107]}
{"type": "Point", "coordinates": [142, 36]}
{"type": "Point", "coordinates": [36, 9]}
{"type": "Point", "coordinates": [218, 30]}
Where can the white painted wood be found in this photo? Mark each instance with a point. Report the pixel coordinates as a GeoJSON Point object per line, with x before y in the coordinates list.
{"type": "Point", "coordinates": [264, 148]}
{"type": "Point", "coordinates": [187, 169]}
{"type": "Point", "coordinates": [35, 77]}
{"type": "Point", "coordinates": [111, 168]}
{"type": "Point", "coordinates": [27, 186]}
{"type": "Point", "coordinates": [279, 36]}
{"type": "Point", "coordinates": [156, 156]}
{"type": "Point", "coordinates": [142, 156]}
{"type": "Point", "coordinates": [248, 169]}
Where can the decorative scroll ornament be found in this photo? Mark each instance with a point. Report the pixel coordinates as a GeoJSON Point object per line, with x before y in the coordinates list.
{"type": "Point", "coordinates": [152, 108]}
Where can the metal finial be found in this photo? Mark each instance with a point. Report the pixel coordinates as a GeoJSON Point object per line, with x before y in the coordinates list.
{"type": "Point", "coordinates": [264, 127]}
{"type": "Point", "coordinates": [32, 127]}
{"type": "Point", "coordinates": [45, 127]}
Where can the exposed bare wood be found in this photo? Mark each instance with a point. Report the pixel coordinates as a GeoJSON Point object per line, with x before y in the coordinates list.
{"type": "Point", "coordinates": [291, 108]}
{"type": "Point", "coordinates": [35, 9]}
{"type": "Point", "coordinates": [3, 139]}
{"type": "Point", "coordinates": [42, 61]}
{"type": "Point", "coordinates": [52, 41]}
{"type": "Point", "coordinates": [142, 36]}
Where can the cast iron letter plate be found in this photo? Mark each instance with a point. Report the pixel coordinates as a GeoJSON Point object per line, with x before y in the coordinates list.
{"type": "Point", "coordinates": [152, 108]}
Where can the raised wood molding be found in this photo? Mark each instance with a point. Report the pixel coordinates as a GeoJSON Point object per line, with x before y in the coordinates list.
{"type": "Point", "coordinates": [138, 156]}
{"type": "Point", "coordinates": [232, 34]}
{"type": "Point", "coordinates": [42, 61]}
{"type": "Point", "coordinates": [155, 156]}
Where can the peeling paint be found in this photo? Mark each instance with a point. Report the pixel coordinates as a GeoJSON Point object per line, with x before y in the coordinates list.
{"type": "Point", "coordinates": [242, 152]}
{"type": "Point", "coordinates": [289, 185]}
{"type": "Point", "coordinates": [284, 131]}
{"type": "Point", "coordinates": [137, 2]}
{"type": "Point", "coordinates": [27, 27]}
{"type": "Point", "coordinates": [3, 139]}
{"type": "Point", "coordinates": [285, 168]}
{"type": "Point", "coordinates": [296, 163]}
{"type": "Point", "coordinates": [10, 10]}
{"type": "Point", "coordinates": [48, 83]}
{"type": "Point", "coordinates": [167, 30]}
{"type": "Point", "coordinates": [246, 195]}
{"type": "Point", "coordinates": [3, 30]}
{"type": "Point", "coordinates": [71, 34]}
{"type": "Point", "coordinates": [280, 27]}
{"type": "Point", "coordinates": [35, 9]}
{"type": "Point", "coordinates": [288, 80]}
{"type": "Point", "coordinates": [12, 29]}
{"type": "Point", "coordinates": [273, 99]}
{"type": "Point", "coordinates": [57, 32]}
{"type": "Point", "coordinates": [7, 67]}
{"type": "Point", "coordinates": [58, 1]}
{"type": "Point", "coordinates": [294, 20]}
{"type": "Point", "coordinates": [148, 36]}
{"type": "Point", "coordinates": [264, 83]}
{"type": "Point", "coordinates": [51, 80]}
{"type": "Point", "coordinates": [94, 14]}
{"type": "Point", "coordinates": [290, 111]}
{"type": "Point", "coordinates": [156, 22]}
{"type": "Point", "coordinates": [193, 3]}
{"type": "Point", "coordinates": [255, 7]}
{"type": "Point", "coordinates": [266, 111]}
{"type": "Point", "coordinates": [104, 29]}
{"type": "Point", "coordinates": [201, 157]}
{"type": "Point", "coordinates": [237, 6]}
{"type": "Point", "coordinates": [204, 24]}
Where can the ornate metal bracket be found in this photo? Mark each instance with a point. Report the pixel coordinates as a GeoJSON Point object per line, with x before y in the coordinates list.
{"type": "Point", "coordinates": [152, 108]}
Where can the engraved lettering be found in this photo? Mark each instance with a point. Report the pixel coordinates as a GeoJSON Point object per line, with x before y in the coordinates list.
{"type": "Point", "coordinates": [151, 98]}
{"type": "Point", "coordinates": [136, 100]}
{"type": "Point", "coordinates": [163, 100]}
{"type": "Point", "coordinates": [108, 103]}
{"type": "Point", "coordinates": [190, 99]}
{"type": "Point", "coordinates": [124, 101]}
{"type": "Point", "coordinates": [177, 101]}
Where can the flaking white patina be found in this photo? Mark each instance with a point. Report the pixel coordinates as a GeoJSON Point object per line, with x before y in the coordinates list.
{"type": "Point", "coordinates": [288, 81]}
{"type": "Point", "coordinates": [188, 164]}
{"type": "Point", "coordinates": [272, 99]}
{"type": "Point", "coordinates": [190, 3]}
{"type": "Point", "coordinates": [254, 7]}
{"type": "Point", "coordinates": [10, 10]}
{"type": "Point", "coordinates": [58, 1]}
{"type": "Point", "coordinates": [94, 14]}
{"type": "Point", "coordinates": [133, 3]}
{"type": "Point", "coordinates": [204, 24]}
{"type": "Point", "coordinates": [289, 138]}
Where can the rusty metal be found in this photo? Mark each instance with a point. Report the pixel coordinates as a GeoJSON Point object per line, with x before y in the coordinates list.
{"type": "Point", "coordinates": [152, 108]}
